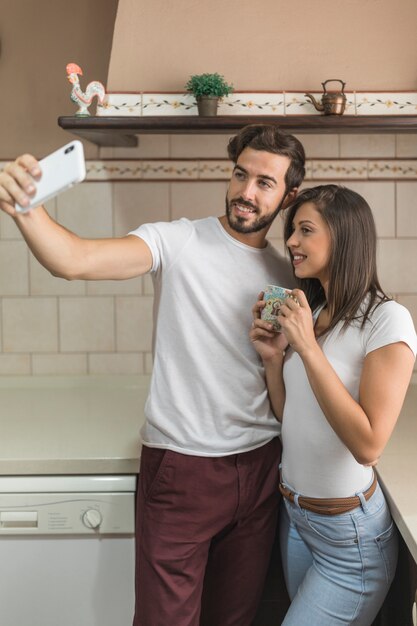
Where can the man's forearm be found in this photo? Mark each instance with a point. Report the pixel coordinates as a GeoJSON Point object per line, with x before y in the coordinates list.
{"type": "Point", "coordinates": [55, 247]}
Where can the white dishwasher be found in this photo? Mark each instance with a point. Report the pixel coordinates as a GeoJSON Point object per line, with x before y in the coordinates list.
{"type": "Point", "coordinates": [67, 550]}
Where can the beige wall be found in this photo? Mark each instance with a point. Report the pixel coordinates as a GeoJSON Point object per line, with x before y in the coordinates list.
{"type": "Point", "coordinates": [50, 326]}
{"type": "Point", "coordinates": [38, 38]}
{"type": "Point", "coordinates": [268, 44]}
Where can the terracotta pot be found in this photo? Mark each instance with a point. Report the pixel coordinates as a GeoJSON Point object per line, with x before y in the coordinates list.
{"type": "Point", "coordinates": [207, 105]}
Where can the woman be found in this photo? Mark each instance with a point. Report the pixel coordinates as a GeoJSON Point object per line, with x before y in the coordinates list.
{"type": "Point", "coordinates": [337, 376]}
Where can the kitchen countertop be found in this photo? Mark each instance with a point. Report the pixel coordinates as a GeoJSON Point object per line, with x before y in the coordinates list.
{"type": "Point", "coordinates": [397, 472]}
{"type": "Point", "coordinates": [90, 425]}
{"type": "Point", "coordinates": [71, 425]}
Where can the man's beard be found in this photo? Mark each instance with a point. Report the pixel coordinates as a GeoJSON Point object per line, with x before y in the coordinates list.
{"type": "Point", "coordinates": [238, 223]}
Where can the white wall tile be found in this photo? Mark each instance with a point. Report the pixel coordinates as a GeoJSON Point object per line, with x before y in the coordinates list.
{"type": "Point", "coordinates": [381, 198]}
{"type": "Point", "coordinates": [147, 285]}
{"type": "Point", "coordinates": [148, 363]}
{"type": "Point", "coordinates": [14, 261]}
{"type": "Point", "coordinates": [86, 209]}
{"type": "Point", "coordinates": [86, 324]}
{"type": "Point", "coordinates": [196, 200]}
{"type": "Point", "coordinates": [277, 227]}
{"type": "Point", "coordinates": [407, 209]}
{"type": "Point", "coordinates": [30, 325]}
{"type": "Point", "coordinates": [199, 146]}
{"type": "Point", "coordinates": [42, 283]}
{"type": "Point", "coordinates": [410, 302]}
{"type": "Point", "coordinates": [120, 363]}
{"type": "Point", "coordinates": [139, 203]}
{"type": "Point", "coordinates": [397, 260]}
{"type": "Point", "coordinates": [407, 145]}
{"type": "Point", "coordinates": [367, 146]}
{"type": "Point", "coordinates": [8, 228]}
{"type": "Point", "coordinates": [320, 146]}
{"type": "Point", "coordinates": [134, 324]}
{"type": "Point", "coordinates": [59, 364]}
{"type": "Point", "coordinates": [15, 365]}
{"type": "Point", "coordinates": [279, 245]}
{"type": "Point", "coordinates": [132, 286]}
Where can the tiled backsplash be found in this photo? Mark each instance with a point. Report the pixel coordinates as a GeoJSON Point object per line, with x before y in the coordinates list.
{"type": "Point", "coordinates": [257, 103]}
{"type": "Point", "coordinates": [51, 326]}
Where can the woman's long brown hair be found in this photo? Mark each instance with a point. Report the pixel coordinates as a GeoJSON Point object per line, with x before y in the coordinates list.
{"type": "Point", "coordinates": [353, 274]}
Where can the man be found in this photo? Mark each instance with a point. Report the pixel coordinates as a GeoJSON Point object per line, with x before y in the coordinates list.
{"type": "Point", "coordinates": [207, 494]}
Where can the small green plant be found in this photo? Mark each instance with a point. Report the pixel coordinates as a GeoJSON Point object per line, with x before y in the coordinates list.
{"type": "Point", "coordinates": [208, 85]}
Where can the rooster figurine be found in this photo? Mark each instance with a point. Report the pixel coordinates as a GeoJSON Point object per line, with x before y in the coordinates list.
{"type": "Point", "coordinates": [83, 98]}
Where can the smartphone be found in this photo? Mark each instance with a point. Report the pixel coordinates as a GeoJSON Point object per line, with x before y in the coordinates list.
{"type": "Point", "coordinates": [60, 170]}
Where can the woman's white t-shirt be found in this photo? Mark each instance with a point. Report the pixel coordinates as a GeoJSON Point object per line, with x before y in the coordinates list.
{"type": "Point", "coordinates": [315, 462]}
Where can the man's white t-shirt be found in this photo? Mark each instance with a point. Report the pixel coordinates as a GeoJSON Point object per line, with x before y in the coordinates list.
{"type": "Point", "coordinates": [208, 395]}
{"type": "Point", "coordinates": [315, 462]}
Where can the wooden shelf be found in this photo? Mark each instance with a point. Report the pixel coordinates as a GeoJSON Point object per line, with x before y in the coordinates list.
{"type": "Point", "coordinates": [123, 131]}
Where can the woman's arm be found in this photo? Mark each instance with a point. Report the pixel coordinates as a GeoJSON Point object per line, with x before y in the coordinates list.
{"type": "Point", "coordinates": [275, 385]}
{"type": "Point", "coordinates": [364, 426]}
{"type": "Point", "coordinates": [270, 347]}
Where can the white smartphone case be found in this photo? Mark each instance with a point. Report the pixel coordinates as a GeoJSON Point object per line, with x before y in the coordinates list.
{"type": "Point", "coordinates": [60, 170]}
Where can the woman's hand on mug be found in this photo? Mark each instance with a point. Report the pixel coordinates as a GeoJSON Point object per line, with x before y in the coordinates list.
{"type": "Point", "coordinates": [268, 343]}
{"type": "Point", "coordinates": [296, 321]}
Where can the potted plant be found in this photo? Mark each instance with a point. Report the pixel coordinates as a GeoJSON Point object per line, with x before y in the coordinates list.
{"type": "Point", "coordinates": [207, 89]}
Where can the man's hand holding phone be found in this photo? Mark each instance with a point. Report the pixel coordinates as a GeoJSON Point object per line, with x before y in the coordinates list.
{"type": "Point", "coordinates": [27, 183]}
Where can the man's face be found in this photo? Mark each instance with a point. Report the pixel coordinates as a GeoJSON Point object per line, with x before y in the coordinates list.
{"type": "Point", "coordinates": [256, 190]}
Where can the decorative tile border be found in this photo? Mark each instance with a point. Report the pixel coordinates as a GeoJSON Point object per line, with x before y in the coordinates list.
{"type": "Point", "coordinates": [219, 169]}
{"type": "Point", "coordinates": [170, 170]}
{"type": "Point", "coordinates": [253, 104]}
{"type": "Point", "coordinates": [168, 104]}
{"type": "Point", "coordinates": [386, 103]}
{"type": "Point", "coordinates": [215, 170]}
{"type": "Point", "coordinates": [256, 103]}
{"type": "Point", "coordinates": [393, 169]}
{"type": "Point", "coordinates": [114, 170]}
{"type": "Point", "coordinates": [337, 169]}
{"type": "Point", "coordinates": [120, 104]}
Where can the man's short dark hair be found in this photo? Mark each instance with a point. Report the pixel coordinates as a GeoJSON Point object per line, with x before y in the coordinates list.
{"type": "Point", "coordinates": [270, 138]}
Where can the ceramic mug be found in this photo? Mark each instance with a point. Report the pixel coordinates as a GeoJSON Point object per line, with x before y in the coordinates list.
{"type": "Point", "coordinates": [274, 296]}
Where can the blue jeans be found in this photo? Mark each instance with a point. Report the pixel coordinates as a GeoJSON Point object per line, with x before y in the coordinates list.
{"type": "Point", "coordinates": [338, 568]}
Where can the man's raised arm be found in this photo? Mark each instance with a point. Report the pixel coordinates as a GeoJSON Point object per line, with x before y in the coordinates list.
{"type": "Point", "coordinates": [59, 250]}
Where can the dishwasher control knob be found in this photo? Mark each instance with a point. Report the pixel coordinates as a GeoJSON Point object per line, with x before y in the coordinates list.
{"type": "Point", "coordinates": [92, 518]}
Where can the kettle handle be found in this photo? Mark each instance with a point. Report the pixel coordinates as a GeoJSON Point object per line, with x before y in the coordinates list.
{"type": "Point", "coordinates": [332, 80]}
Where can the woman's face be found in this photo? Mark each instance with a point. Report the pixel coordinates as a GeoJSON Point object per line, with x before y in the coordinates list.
{"type": "Point", "coordinates": [310, 244]}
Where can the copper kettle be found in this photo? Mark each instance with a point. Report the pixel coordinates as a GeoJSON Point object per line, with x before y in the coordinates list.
{"type": "Point", "coordinates": [332, 102]}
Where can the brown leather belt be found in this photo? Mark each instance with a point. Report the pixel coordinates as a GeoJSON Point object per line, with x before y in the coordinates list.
{"type": "Point", "coordinates": [329, 506]}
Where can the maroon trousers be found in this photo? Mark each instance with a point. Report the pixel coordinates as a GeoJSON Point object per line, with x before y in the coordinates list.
{"type": "Point", "coordinates": [205, 528]}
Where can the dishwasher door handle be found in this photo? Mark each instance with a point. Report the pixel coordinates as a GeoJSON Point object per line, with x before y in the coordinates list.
{"type": "Point", "coordinates": [18, 519]}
